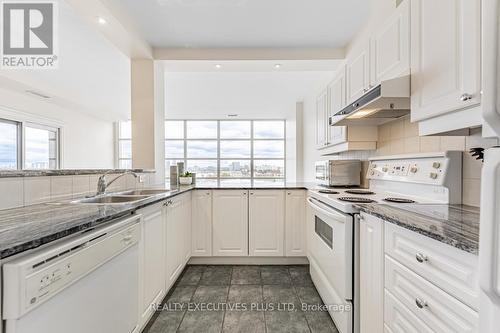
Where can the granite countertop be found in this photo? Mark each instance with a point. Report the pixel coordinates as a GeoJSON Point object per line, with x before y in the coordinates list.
{"type": "Point", "coordinates": [455, 225]}
{"type": "Point", "coordinates": [28, 227]}
{"type": "Point", "coordinates": [65, 172]}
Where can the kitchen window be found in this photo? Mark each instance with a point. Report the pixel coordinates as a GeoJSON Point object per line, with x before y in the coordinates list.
{"type": "Point", "coordinates": [125, 144]}
{"type": "Point", "coordinates": [228, 152]}
{"type": "Point", "coordinates": [27, 145]}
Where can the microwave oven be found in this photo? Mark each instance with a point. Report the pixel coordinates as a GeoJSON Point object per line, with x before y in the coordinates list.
{"type": "Point", "coordinates": [338, 172]}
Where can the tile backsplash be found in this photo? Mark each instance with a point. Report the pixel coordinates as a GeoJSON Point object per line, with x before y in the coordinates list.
{"type": "Point", "coordinates": [24, 191]}
{"type": "Point", "coordinates": [401, 137]}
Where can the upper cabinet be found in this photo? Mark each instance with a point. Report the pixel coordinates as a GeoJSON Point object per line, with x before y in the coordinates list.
{"type": "Point", "coordinates": [390, 47]}
{"type": "Point", "coordinates": [445, 60]}
{"type": "Point", "coordinates": [322, 119]}
{"type": "Point", "coordinates": [336, 102]}
{"type": "Point", "coordinates": [358, 74]}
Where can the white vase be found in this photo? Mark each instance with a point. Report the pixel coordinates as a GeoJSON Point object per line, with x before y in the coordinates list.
{"type": "Point", "coordinates": [185, 180]}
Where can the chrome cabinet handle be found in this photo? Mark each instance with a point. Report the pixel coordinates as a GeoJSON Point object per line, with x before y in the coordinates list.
{"type": "Point", "coordinates": [421, 258]}
{"type": "Point", "coordinates": [420, 303]}
{"type": "Point", "coordinates": [465, 97]}
{"type": "Point", "coordinates": [289, 193]}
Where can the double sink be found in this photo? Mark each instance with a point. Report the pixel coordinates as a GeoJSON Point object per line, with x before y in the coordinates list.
{"type": "Point", "coordinates": [122, 197]}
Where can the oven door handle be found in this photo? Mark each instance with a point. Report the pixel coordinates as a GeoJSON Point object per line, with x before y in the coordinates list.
{"type": "Point", "coordinates": [330, 212]}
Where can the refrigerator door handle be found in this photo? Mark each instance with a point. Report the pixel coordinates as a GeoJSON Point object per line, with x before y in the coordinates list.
{"type": "Point", "coordinates": [489, 248]}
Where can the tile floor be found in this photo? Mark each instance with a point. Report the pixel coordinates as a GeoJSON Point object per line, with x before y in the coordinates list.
{"type": "Point", "coordinates": [276, 292]}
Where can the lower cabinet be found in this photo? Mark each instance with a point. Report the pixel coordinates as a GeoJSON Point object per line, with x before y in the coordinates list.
{"type": "Point", "coordinates": [266, 222]}
{"type": "Point", "coordinates": [371, 274]}
{"type": "Point", "coordinates": [230, 223]}
{"type": "Point", "coordinates": [412, 283]}
{"type": "Point", "coordinates": [201, 236]}
{"type": "Point", "coordinates": [295, 223]}
{"type": "Point", "coordinates": [152, 260]}
{"type": "Point", "coordinates": [178, 235]}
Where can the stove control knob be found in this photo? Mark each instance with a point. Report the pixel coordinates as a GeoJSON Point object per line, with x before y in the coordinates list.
{"type": "Point", "coordinates": [433, 175]}
{"type": "Point", "coordinates": [436, 165]}
{"type": "Point", "coordinates": [384, 169]}
{"type": "Point", "coordinates": [372, 173]}
{"type": "Point", "coordinates": [413, 169]}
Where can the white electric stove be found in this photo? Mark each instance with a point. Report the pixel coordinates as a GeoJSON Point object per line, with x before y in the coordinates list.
{"type": "Point", "coordinates": [333, 237]}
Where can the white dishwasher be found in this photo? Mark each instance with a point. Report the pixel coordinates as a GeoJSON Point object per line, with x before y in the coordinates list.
{"type": "Point", "coordinates": [88, 283]}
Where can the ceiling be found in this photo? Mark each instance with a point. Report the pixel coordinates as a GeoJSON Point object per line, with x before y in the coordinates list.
{"type": "Point", "coordinates": [247, 23]}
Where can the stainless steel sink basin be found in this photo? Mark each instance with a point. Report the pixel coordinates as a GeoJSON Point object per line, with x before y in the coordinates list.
{"type": "Point", "coordinates": [111, 199]}
{"type": "Point", "coordinates": [147, 192]}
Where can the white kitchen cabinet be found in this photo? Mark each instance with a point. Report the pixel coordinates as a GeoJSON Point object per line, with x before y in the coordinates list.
{"type": "Point", "coordinates": [321, 119]}
{"type": "Point", "coordinates": [186, 225]}
{"type": "Point", "coordinates": [390, 46]}
{"type": "Point", "coordinates": [358, 74]}
{"type": "Point", "coordinates": [445, 58]}
{"type": "Point", "coordinates": [178, 231]}
{"type": "Point", "coordinates": [336, 102]}
{"type": "Point", "coordinates": [266, 222]}
{"type": "Point", "coordinates": [230, 223]}
{"type": "Point", "coordinates": [371, 273]}
{"type": "Point", "coordinates": [152, 260]}
{"type": "Point", "coordinates": [295, 223]}
{"type": "Point", "coordinates": [201, 223]}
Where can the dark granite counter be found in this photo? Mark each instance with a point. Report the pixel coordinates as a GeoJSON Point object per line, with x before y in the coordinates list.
{"type": "Point", "coordinates": [65, 172]}
{"type": "Point", "coordinates": [28, 227]}
{"type": "Point", "coordinates": [455, 225]}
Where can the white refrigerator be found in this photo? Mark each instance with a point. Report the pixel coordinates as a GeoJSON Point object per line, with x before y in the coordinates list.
{"type": "Point", "coordinates": [489, 239]}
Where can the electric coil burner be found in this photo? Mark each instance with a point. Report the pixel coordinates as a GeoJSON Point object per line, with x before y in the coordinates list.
{"type": "Point", "coordinates": [362, 192]}
{"type": "Point", "coordinates": [399, 200]}
{"type": "Point", "coordinates": [328, 192]}
{"type": "Point", "coordinates": [356, 200]}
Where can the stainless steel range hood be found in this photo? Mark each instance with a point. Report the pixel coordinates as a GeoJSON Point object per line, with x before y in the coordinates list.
{"type": "Point", "coordinates": [387, 101]}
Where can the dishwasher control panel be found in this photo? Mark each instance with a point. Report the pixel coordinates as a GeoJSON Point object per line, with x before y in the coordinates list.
{"type": "Point", "coordinates": [36, 279]}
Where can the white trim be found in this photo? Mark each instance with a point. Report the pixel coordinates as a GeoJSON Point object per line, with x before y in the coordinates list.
{"type": "Point", "coordinates": [248, 261]}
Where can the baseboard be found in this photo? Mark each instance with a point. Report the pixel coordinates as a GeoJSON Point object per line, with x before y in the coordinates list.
{"type": "Point", "coordinates": [248, 261]}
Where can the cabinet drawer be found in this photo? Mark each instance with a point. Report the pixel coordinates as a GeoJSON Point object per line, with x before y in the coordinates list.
{"type": "Point", "coordinates": [449, 268]}
{"type": "Point", "coordinates": [430, 304]}
{"type": "Point", "coordinates": [398, 319]}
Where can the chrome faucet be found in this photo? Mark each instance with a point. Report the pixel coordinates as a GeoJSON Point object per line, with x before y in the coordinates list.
{"type": "Point", "coordinates": [102, 184]}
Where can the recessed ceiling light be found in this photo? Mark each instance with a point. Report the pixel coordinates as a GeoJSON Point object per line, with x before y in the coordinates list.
{"type": "Point", "coordinates": [218, 66]}
{"type": "Point", "coordinates": [101, 20]}
{"type": "Point", "coordinates": [277, 66]}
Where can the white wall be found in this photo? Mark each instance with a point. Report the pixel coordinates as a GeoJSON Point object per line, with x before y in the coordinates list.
{"type": "Point", "coordinates": [251, 95]}
{"type": "Point", "coordinates": [88, 142]}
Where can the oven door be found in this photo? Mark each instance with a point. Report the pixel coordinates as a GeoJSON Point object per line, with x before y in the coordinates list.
{"type": "Point", "coordinates": [330, 253]}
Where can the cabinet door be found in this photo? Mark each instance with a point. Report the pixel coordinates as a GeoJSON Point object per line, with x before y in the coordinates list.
{"type": "Point", "coordinates": [357, 75]}
{"type": "Point", "coordinates": [445, 56]}
{"type": "Point", "coordinates": [321, 119]}
{"type": "Point", "coordinates": [175, 240]}
{"type": "Point", "coordinates": [295, 223]}
{"type": "Point", "coordinates": [152, 259]}
{"type": "Point", "coordinates": [336, 102]}
{"type": "Point", "coordinates": [201, 223]}
{"type": "Point", "coordinates": [371, 274]}
{"type": "Point", "coordinates": [266, 222]}
{"type": "Point", "coordinates": [230, 223]}
{"type": "Point", "coordinates": [186, 227]}
{"type": "Point", "coordinates": [390, 46]}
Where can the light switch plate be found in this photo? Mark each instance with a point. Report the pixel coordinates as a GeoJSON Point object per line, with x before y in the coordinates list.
{"type": "Point", "coordinates": [141, 178]}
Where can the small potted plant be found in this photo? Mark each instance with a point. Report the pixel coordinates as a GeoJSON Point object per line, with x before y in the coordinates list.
{"type": "Point", "coordinates": [186, 178]}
